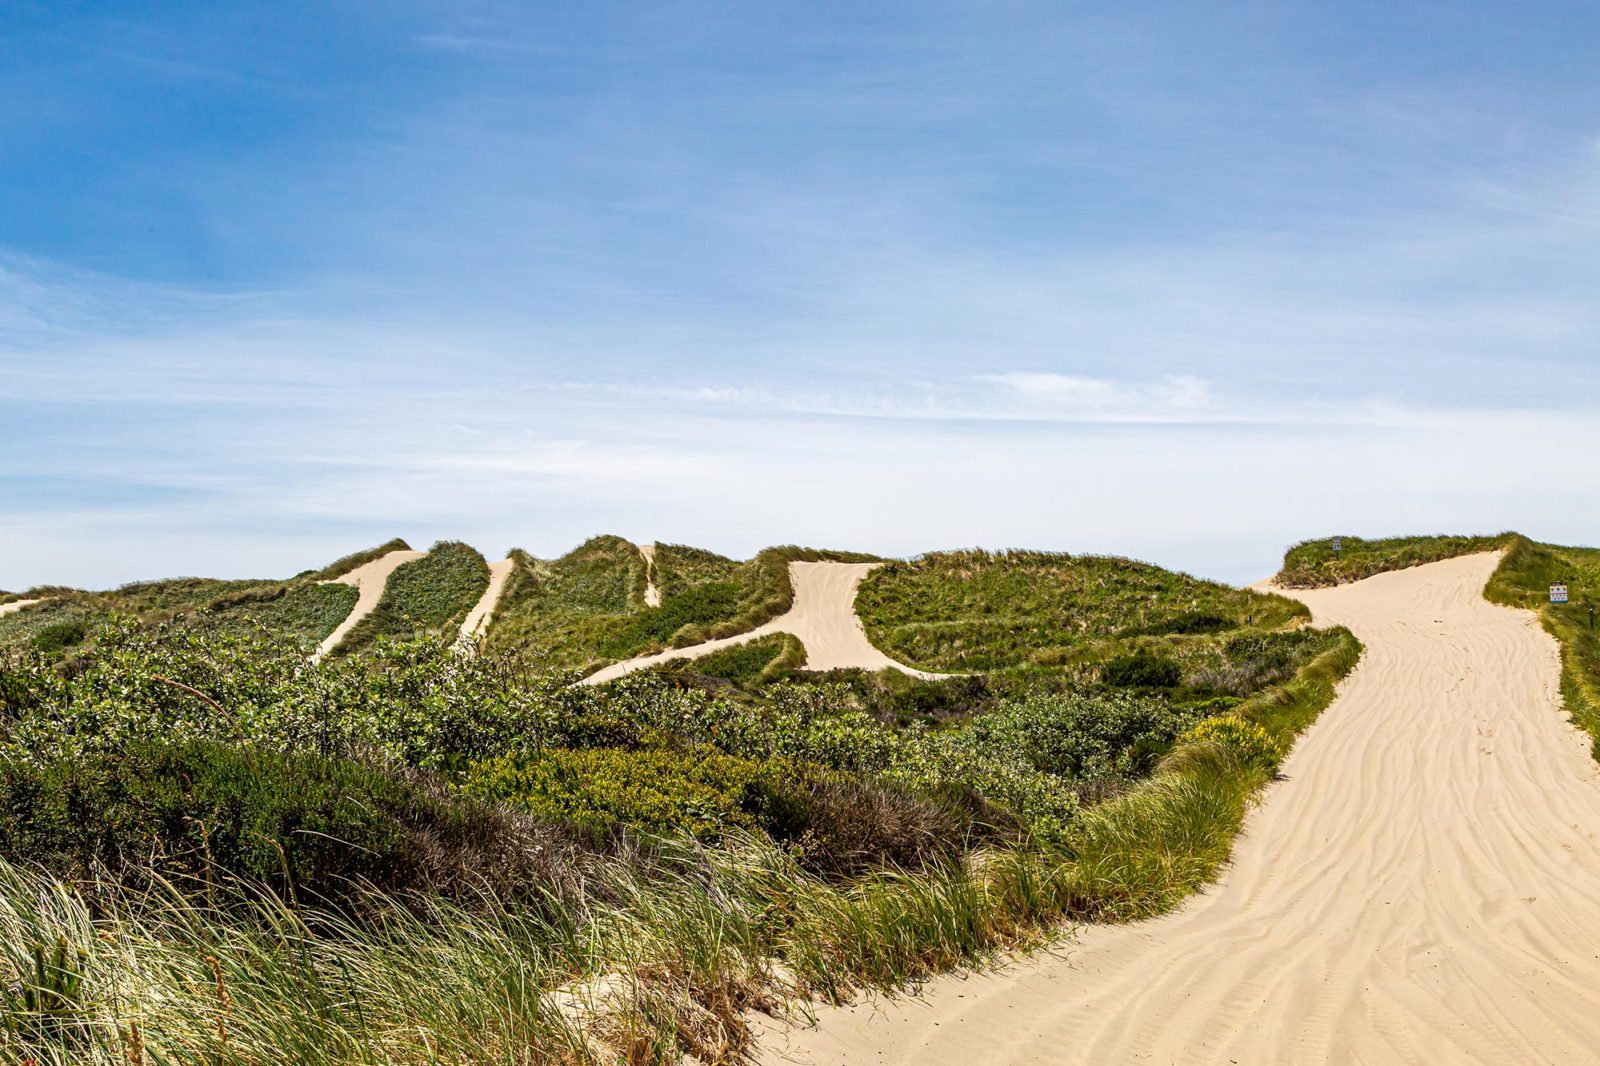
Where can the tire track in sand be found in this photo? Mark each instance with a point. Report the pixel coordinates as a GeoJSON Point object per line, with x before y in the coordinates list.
{"type": "Point", "coordinates": [1422, 886]}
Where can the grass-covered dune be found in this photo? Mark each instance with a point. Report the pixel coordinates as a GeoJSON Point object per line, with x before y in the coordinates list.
{"type": "Point", "coordinates": [1315, 563]}
{"type": "Point", "coordinates": [213, 852]}
{"type": "Point", "coordinates": [587, 608]}
{"type": "Point", "coordinates": [298, 611]}
{"type": "Point", "coordinates": [1523, 579]}
{"type": "Point", "coordinates": [978, 611]}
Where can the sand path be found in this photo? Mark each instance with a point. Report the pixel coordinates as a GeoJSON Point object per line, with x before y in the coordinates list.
{"type": "Point", "coordinates": [16, 605]}
{"type": "Point", "coordinates": [823, 616]}
{"type": "Point", "coordinates": [369, 580]}
{"type": "Point", "coordinates": [652, 594]}
{"type": "Point", "coordinates": [1423, 886]}
{"type": "Point", "coordinates": [478, 618]}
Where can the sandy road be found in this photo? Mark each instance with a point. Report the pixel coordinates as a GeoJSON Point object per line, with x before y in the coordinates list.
{"type": "Point", "coordinates": [369, 580]}
{"type": "Point", "coordinates": [823, 616]}
{"type": "Point", "coordinates": [1422, 887]}
{"type": "Point", "coordinates": [16, 605]}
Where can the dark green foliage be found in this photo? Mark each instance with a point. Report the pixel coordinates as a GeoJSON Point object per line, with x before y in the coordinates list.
{"type": "Point", "coordinates": [976, 610]}
{"type": "Point", "coordinates": [753, 661]}
{"type": "Point", "coordinates": [835, 823]}
{"type": "Point", "coordinates": [1142, 669]}
{"type": "Point", "coordinates": [1314, 563]}
{"type": "Point", "coordinates": [1084, 738]}
{"type": "Point", "coordinates": [701, 792]}
{"type": "Point", "coordinates": [686, 614]}
{"type": "Point", "coordinates": [427, 595]}
{"type": "Point", "coordinates": [306, 826]}
{"type": "Point", "coordinates": [59, 636]}
{"type": "Point", "coordinates": [45, 1005]}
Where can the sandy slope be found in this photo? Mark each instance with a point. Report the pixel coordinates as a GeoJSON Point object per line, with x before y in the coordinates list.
{"type": "Point", "coordinates": [478, 618]}
{"type": "Point", "coordinates": [823, 617]}
{"type": "Point", "coordinates": [16, 605]}
{"type": "Point", "coordinates": [652, 594]}
{"type": "Point", "coordinates": [1423, 887]}
{"type": "Point", "coordinates": [369, 580]}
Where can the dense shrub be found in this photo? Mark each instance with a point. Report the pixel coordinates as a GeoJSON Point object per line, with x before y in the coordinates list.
{"type": "Point", "coordinates": [1142, 669]}
{"type": "Point", "coordinates": [700, 792]}
{"type": "Point", "coordinates": [59, 636]}
{"type": "Point", "coordinates": [306, 826]}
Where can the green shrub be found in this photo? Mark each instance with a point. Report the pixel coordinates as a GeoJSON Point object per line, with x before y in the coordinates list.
{"type": "Point", "coordinates": [702, 793]}
{"type": "Point", "coordinates": [59, 636]}
{"type": "Point", "coordinates": [1141, 670]}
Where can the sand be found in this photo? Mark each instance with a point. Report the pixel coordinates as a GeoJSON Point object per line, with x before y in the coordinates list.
{"type": "Point", "coordinates": [652, 594]}
{"type": "Point", "coordinates": [16, 605]}
{"type": "Point", "coordinates": [369, 579]}
{"type": "Point", "coordinates": [823, 616]}
{"type": "Point", "coordinates": [478, 618]}
{"type": "Point", "coordinates": [1423, 886]}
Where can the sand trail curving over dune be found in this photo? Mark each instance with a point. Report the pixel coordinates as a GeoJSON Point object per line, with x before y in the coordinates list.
{"type": "Point", "coordinates": [823, 616]}
{"type": "Point", "coordinates": [16, 605]}
{"type": "Point", "coordinates": [1422, 887]}
{"type": "Point", "coordinates": [369, 580]}
{"type": "Point", "coordinates": [652, 593]}
{"type": "Point", "coordinates": [477, 620]}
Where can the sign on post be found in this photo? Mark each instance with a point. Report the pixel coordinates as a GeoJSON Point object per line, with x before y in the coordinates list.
{"type": "Point", "coordinates": [1558, 592]}
{"type": "Point", "coordinates": [1338, 545]}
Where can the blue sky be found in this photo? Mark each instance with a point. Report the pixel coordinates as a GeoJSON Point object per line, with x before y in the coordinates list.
{"type": "Point", "coordinates": [1178, 280]}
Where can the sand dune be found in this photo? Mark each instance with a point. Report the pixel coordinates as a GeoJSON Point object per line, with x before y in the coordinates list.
{"type": "Point", "coordinates": [478, 618]}
{"type": "Point", "coordinates": [823, 617]}
{"type": "Point", "coordinates": [369, 579]}
{"type": "Point", "coordinates": [1422, 887]}
{"type": "Point", "coordinates": [16, 605]}
{"type": "Point", "coordinates": [652, 594]}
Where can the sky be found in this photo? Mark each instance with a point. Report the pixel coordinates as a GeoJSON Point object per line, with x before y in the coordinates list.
{"type": "Point", "coordinates": [1181, 281]}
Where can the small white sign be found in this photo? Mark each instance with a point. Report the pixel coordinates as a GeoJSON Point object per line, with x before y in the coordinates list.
{"type": "Point", "coordinates": [1338, 544]}
{"type": "Point", "coordinates": [1558, 593]}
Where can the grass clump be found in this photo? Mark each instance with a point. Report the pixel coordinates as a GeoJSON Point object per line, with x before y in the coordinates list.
{"type": "Point", "coordinates": [1314, 563]}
